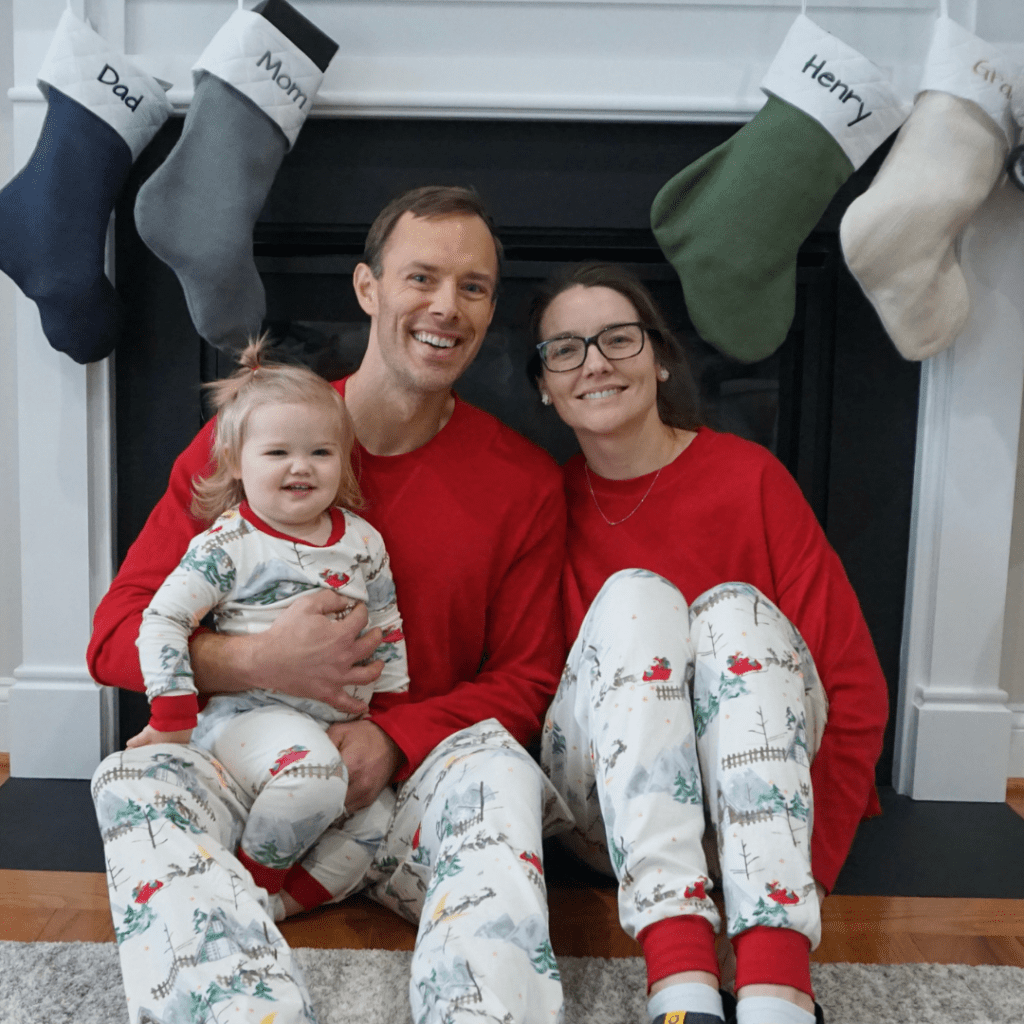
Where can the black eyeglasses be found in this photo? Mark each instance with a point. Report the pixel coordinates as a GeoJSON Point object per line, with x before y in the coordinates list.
{"type": "Point", "coordinates": [620, 341]}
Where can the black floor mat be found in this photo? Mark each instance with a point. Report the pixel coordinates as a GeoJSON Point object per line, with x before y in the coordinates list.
{"type": "Point", "coordinates": [49, 825]}
{"type": "Point", "coordinates": [933, 848]}
{"type": "Point", "coordinates": [913, 849]}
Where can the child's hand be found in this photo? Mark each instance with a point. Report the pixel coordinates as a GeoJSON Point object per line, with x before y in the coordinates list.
{"type": "Point", "coordinates": [150, 735]}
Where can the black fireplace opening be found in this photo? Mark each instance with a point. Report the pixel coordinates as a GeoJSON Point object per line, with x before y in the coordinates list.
{"type": "Point", "coordinates": [836, 403]}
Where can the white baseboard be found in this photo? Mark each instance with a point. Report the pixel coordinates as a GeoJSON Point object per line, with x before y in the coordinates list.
{"type": "Point", "coordinates": [962, 749]}
{"type": "Point", "coordinates": [1016, 767]}
{"type": "Point", "coordinates": [59, 722]}
{"type": "Point", "coordinates": [6, 682]}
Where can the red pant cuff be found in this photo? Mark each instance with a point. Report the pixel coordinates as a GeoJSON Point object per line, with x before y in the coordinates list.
{"type": "Point", "coordinates": [270, 879]}
{"type": "Point", "coordinates": [305, 889]}
{"type": "Point", "coordinates": [773, 956]}
{"type": "Point", "coordinates": [678, 944]}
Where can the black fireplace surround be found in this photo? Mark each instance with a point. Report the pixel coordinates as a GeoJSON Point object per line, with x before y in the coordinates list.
{"type": "Point", "coordinates": [837, 404]}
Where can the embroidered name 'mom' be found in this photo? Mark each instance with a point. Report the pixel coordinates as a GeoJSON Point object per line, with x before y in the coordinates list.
{"type": "Point", "coordinates": [284, 81]}
{"type": "Point", "coordinates": [829, 81]}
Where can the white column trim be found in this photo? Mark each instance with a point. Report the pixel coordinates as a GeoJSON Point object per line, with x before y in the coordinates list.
{"type": "Point", "coordinates": [6, 682]}
{"type": "Point", "coordinates": [953, 720]}
{"type": "Point", "coordinates": [923, 558]}
{"type": "Point", "coordinates": [1016, 766]}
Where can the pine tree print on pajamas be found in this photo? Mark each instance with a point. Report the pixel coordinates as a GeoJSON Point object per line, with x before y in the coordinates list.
{"type": "Point", "coordinates": [665, 708]}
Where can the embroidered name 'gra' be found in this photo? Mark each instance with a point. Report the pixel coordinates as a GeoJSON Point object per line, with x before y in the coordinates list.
{"type": "Point", "coordinates": [989, 74]}
{"type": "Point", "coordinates": [826, 80]}
{"type": "Point", "coordinates": [119, 90]}
{"type": "Point", "coordinates": [282, 80]}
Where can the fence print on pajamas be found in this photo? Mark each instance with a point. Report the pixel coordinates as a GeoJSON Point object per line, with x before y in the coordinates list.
{"type": "Point", "coordinates": [664, 710]}
{"type": "Point", "coordinates": [194, 936]}
{"type": "Point", "coordinates": [464, 860]}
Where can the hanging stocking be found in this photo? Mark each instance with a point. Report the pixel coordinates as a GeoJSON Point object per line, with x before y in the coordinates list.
{"type": "Point", "coordinates": [254, 86]}
{"type": "Point", "coordinates": [898, 238]}
{"type": "Point", "coordinates": [1015, 165]}
{"type": "Point", "coordinates": [731, 223]}
{"type": "Point", "coordinates": [101, 113]}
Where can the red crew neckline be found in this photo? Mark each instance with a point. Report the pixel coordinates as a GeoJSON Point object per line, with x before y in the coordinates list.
{"type": "Point", "coordinates": [338, 527]}
{"type": "Point", "coordinates": [630, 483]}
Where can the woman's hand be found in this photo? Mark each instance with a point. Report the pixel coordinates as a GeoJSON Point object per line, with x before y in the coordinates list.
{"type": "Point", "coordinates": [149, 735]}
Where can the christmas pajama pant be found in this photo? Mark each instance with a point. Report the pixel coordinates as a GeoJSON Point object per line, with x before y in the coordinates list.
{"type": "Point", "coordinates": [295, 782]}
{"type": "Point", "coordinates": [667, 716]}
{"type": "Point", "coordinates": [460, 856]}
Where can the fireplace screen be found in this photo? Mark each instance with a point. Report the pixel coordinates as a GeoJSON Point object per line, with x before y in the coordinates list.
{"type": "Point", "coordinates": [835, 403]}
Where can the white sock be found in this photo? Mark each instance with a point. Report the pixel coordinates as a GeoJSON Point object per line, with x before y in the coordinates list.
{"type": "Point", "coordinates": [692, 997]}
{"type": "Point", "coordinates": [769, 1010]}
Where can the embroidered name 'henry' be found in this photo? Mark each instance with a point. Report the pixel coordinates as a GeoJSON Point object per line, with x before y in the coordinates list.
{"type": "Point", "coordinates": [829, 81]}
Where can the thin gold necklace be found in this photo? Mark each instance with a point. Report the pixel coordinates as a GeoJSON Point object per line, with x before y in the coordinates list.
{"type": "Point", "coordinates": [586, 470]}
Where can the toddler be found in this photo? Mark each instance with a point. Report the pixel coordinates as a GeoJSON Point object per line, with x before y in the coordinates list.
{"type": "Point", "coordinates": [280, 493]}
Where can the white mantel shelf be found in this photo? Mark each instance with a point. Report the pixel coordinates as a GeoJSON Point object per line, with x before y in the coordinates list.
{"type": "Point", "coordinates": [653, 60]}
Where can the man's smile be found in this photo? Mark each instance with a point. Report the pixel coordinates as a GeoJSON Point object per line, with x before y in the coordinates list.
{"type": "Point", "coordinates": [434, 340]}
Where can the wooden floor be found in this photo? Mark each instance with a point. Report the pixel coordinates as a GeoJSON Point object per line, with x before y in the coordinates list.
{"type": "Point", "coordinates": [55, 906]}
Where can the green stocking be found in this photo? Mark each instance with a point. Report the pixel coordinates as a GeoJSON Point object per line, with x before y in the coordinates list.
{"type": "Point", "coordinates": [731, 223]}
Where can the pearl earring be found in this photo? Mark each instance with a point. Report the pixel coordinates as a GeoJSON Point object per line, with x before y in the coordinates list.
{"type": "Point", "coordinates": [662, 374]}
{"type": "Point", "coordinates": [545, 398]}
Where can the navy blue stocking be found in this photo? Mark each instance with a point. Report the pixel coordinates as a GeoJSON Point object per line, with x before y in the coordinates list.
{"type": "Point", "coordinates": [55, 215]}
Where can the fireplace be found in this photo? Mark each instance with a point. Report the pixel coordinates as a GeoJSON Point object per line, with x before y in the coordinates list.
{"type": "Point", "coordinates": [654, 82]}
{"type": "Point", "coordinates": [836, 403]}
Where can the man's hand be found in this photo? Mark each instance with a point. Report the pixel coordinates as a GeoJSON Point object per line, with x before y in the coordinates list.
{"type": "Point", "coordinates": [371, 756]}
{"type": "Point", "coordinates": [312, 650]}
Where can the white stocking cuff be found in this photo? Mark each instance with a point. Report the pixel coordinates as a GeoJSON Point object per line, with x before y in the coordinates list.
{"type": "Point", "coordinates": [83, 65]}
{"type": "Point", "coordinates": [831, 82]}
{"type": "Point", "coordinates": [264, 65]}
{"type": "Point", "coordinates": [963, 65]}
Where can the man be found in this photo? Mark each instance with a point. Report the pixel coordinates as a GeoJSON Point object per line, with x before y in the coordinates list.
{"type": "Point", "coordinates": [473, 517]}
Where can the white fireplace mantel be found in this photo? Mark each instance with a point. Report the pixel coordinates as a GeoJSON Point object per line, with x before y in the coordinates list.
{"type": "Point", "coordinates": [665, 60]}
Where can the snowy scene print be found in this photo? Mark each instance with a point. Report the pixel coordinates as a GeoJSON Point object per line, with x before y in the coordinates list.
{"type": "Point", "coordinates": [451, 985]}
{"type": "Point", "coordinates": [674, 771]}
{"type": "Point", "coordinates": [218, 937]}
{"type": "Point", "coordinates": [214, 566]}
{"type": "Point", "coordinates": [710, 693]}
{"type": "Point", "coordinates": [388, 649]}
{"type": "Point", "coordinates": [175, 674]}
{"type": "Point", "coordinates": [271, 582]}
{"type": "Point", "coordinates": [116, 814]}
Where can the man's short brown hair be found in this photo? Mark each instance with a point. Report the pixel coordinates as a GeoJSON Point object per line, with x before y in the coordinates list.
{"type": "Point", "coordinates": [427, 201]}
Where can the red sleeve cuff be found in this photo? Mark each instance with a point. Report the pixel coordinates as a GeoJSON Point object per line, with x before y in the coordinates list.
{"type": "Point", "coordinates": [174, 713]}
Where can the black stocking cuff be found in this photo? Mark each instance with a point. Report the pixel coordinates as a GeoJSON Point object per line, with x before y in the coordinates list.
{"type": "Point", "coordinates": [316, 45]}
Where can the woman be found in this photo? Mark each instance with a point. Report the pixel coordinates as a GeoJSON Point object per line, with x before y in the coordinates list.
{"type": "Point", "coordinates": [695, 574]}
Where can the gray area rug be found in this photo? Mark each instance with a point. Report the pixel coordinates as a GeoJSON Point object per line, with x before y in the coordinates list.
{"type": "Point", "coordinates": [80, 983]}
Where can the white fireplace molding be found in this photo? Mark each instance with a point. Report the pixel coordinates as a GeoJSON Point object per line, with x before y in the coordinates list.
{"type": "Point", "coordinates": [667, 60]}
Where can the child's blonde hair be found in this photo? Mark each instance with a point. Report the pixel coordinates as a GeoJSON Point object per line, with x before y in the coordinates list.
{"type": "Point", "coordinates": [256, 383]}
